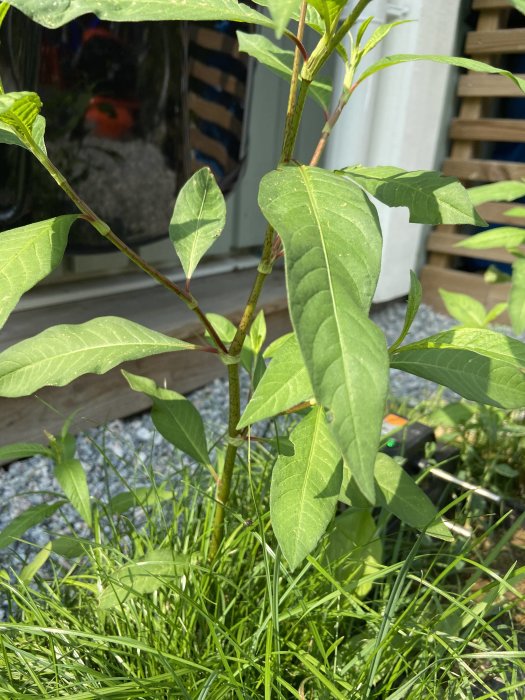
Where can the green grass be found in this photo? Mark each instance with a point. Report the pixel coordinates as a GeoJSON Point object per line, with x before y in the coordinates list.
{"type": "Point", "coordinates": [438, 621]}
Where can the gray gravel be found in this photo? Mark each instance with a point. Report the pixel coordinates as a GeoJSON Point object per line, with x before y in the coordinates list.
{"type": "Point", "coordinates": [133, 444]}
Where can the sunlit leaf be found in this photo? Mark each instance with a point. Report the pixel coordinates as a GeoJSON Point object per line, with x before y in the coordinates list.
{"type": "Point", "coordinates": [505, 191]}
{"type": "Point", "coordinates": [175, 417]}
{"type": "Point", "coordinates": [29, 571]}
{"type": "Point", "coordinates": [62, 353]}
{"type": "Point", "coordinates": [415, 296]}
{"type": "Point", "coordinates": [468, 311]}
{"type": "Point", "coordinates": [305, 488]}
{"type": "Point", "coordinates": [430, 197]}
{"type": "Point", "coordinates": [517, 297]}
{"type": "Point", "coordinates": [400, 494]}
{"type": "Point", "coordinates": [501, 237]}
{"type": "Point", "coordinates": [27, 255]}
{"type": "Point", "coordinates": [23, 450]}
{"type": "Point", "coordinates": [72, 478]}
{"type": "Point", "coordinates": [332, 243]}
{"type": "Point", "coordinates": [280, 61]}
{"type": "Point", "coordinates": [282, 11]}
{"type": "Point", "coordinates": [496, 311]}
{"type": "Point", "coordinates": [478, 364]}
{"type": "Point", "coordinates": [198, 219]}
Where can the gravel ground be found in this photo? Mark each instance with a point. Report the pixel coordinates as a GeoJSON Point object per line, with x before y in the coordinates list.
{"type": "Point", "coordinates": [133, 443]}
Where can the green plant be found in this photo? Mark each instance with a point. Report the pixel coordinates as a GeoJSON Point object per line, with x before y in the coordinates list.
{"type": "Point", "coordinates": [335, 365]}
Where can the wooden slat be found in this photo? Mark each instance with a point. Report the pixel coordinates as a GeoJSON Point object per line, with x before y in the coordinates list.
{"type": "Point", "coordinates": [494, 212]}
{"type": "Point", "coordinates": [212, 148]}
{"type": "Point", "coordinates": [480, 85]}
{"type": "Point", "coordinates": [491, 4]}
{"type": "Point", "coordinates": [476, 169]}
{"type": "Point", "coordinates": [435, 278]}
{"type": "Point", "coordinates": [218, 79]}
{"type": "Point", "coordinates": [501, 41]}
{"type": "Point", "coordinates": [512, 130]}
{"type": "Point", "coordinates": [216, 113]}
{"type": "Point", "coordinates": [215, 41]}
{"type": "Point", "coordinates": [444, 243]}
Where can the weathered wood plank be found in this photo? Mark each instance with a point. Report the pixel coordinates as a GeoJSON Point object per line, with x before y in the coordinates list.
{"type": "Point", "coordinates": [500, 41]}
{"type": "Point", "coordinates": [494, 213]}
{"type": "Point", "coordinates": [478, 170]}
{"type": "Point", "coordinates": [512, 130]}
{"type": "Point", "coordinates": [491, 4]}
{"type": "Point", "coordinates": [481, 85]}
{"type": "Point", "coordinates": [444, 243]}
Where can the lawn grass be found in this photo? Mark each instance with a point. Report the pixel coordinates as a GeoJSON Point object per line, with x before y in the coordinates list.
{"type": "Point", "coordinates": [439, 620]}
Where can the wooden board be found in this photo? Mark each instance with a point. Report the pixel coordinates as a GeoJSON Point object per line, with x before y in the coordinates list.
{"type": "Point", "coordinates": [477, 170]}
{"type": "Point", "coordinates": [481, 85]}
{"type": "Point", "coordinates": [103, 398]}
{"type": "Point", "coordinates": [494, 212]}
{"type": "Point", "coordinates": [491, 4]}
{"type": "Point", "coordinates": [445, 243]}
{"type": "Point", "coordinates": [500, 41]}
{"type": "Point", "coordinates": [512, 130]}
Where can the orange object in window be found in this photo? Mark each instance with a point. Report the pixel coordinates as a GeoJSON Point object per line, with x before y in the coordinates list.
{"type": "Point", "coordinates": [109, 117]}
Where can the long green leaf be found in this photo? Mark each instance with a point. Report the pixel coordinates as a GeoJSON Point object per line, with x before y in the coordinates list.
{"type": "Point", "coordinates": [517, 297]}
{"type": "Point", "coordinates": [305, 488]}
{"type": "Point", "coordinates": [415, 296]}
{"type": "Point", "coordinates": [143, 576]}
{"type": "Point", "coordinates": [284, 385]}
{"type": "Point", "coordinates": [29, 571]}
{"type": "Point", "coordinates": [198, 219]}
{"type": "Point", "coordinates": [23, 450]}
{"type": "Point", "coordinates": [332, 243]}
{"type": "Point", "coordinates": [505, 191]}
{"type": "Point", "coordinates": [400, 494]}
{"type": "Point", "coordinates": [175, 417]}
{"type": "Point", "coordinates": [26, 520]}
{"type": "Point", "coordinates": [501, 237]}
{"type": "Point", "coordinates": [55, 13]}
{"type": "Point", "coordinates": [478, 364]}
{"type": "Point", "coordinates": [282, 11]}
{"type": "Point", "coordinates": [381, 33]}
{"type": "Point", "coordinates": [431, 198]}
{"type": "Point", "coordinates": [27, 255]}
{"type": "Point", "coordinates": [468, 311]}
{"type": "Point", "coordinates": [62, 353]}
{"type": "Point", "coordinates": [467, 63]}
{"type": "Point", "coordinates": [280, 61]}
{"type": "Point", "coordinates": [72, 478]}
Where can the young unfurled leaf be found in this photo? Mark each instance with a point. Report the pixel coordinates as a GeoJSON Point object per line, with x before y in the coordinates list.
{"type": "Point", "coordinates": [26, 520]}
{"type": "Point", "coordinates": [27, 255]}
{"type": "Point", "coordinates": [354, 549]}
{"type": "Point", "coordinates": [501, 237]}
{"type": "Point", "coordinates": [430, 197]}
{"type": "Point", "coordinates": [305, 488]}
{"type": "Point", "coordinates": [18, 112]}
{"type": "Point", "coordinates": [55, 13]}
{"type": "Point", "coordinates": [467, 63]}
{"type": "Point", "coordinates": [175, 417]}
{"type": "Point", "coordinates": [517, 297]}
{"type": "Point", "coordinates": [258, 332]}
{"type": "Point", "coordinates": [62, 353]}
{"type": "Point", "coordinates": [414, 301]}
{"type": "Point", "coordinates": [505, 191]}
{"type": "Point", "coordinates": [332, 243]}
{"type": "Point", "coordinates": [280, 61]}
{"type": "Point", "coordinates": [496, 311]}
{"type": "Point", "coordinates": [478, 364]}
{"type": "Point", "coordinates": [284, 385]}
{"type": "Point", "coordinates": [400, 494]}
{"type": "Point", "coordinates": [144, 576]}
{"type": "Point", "coordinates": [198, 219]}
{"type": "Point", "coordinates": [468, 311]}
{"type": "Point", "coordinates": [71, 476]}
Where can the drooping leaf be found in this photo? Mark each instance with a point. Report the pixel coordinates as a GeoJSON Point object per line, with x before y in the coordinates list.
{"type": "Point", "coordinates": [26, 520]}
{"type": "Point", "coordinates": [62, 353]}
{"type": "Point", "coordinates": [23, 450]}
{"type": "Point", "coordinates": [468, 311]}
{"type": "Point", "coordinates": [55, 13]}
{"type": "Point", "coordinates": [175, 417]}
{"type": "Point", "coordinates": [478, 364]}
{"type": "Point", "coordinates": [142, 496]}
{"type": "Point", "coordinates": [280, 61]}
{"type": "Point", "coordinates": [501, 237]}
{"type": "Point", "coordinates": [517, 297]}
{"type": "Point", "coordinates": [431, 197]}
{"type": "Point", "coordinates": [415, 296]}
{"type": "Point", "coordinates": [282, 11]}
{"type": "Point", "coordinates": [284, 385]}
{"type": "Point", "coordinates": [467, 63]}
{"type": "Point", "coordinates": [305, 488]}
{"type": "Point", "coordinates": [332, 243]}
{"type": "Point", "coordinates": [400, 494]}
{"type": "Point", "coordinates": [505, 191]}
{"type": "Point", "coordinates": [72, 478]}
{"type": "Point", "coordinates": [496, 311]}
{"type": "Point", "coordinates": [29, 571]}
{"type": "Point", "coordinates": [144, 576]}
{"type": "Point", "coordinates": [27, 255]}
{"type": "Point", "coordinates": [198, 219]}
{"type": "Point", "coordinates": [18, 112]}
{"type": "Point", "coordinates": [354, 549]}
